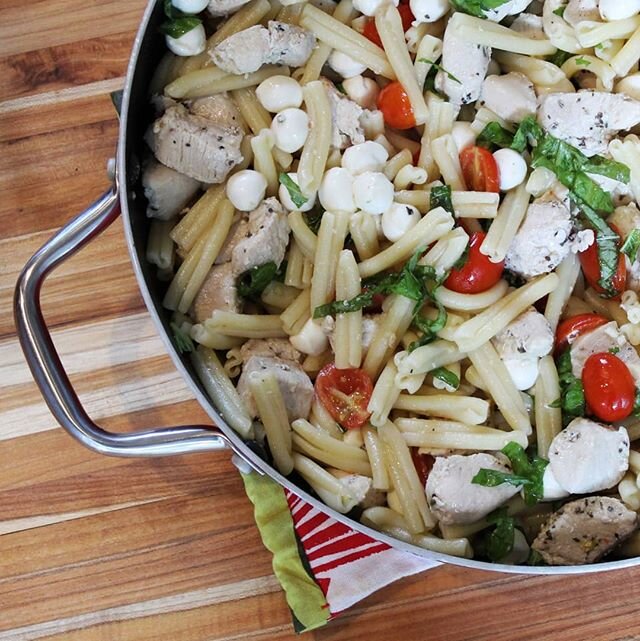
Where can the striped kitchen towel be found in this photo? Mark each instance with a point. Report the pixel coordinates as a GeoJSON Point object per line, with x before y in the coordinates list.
{"type": "Point", "coordinates": [323, 566]}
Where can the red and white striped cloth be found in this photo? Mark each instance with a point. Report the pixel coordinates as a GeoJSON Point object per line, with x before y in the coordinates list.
{"type": "Point", "coordinates": [346, 564]}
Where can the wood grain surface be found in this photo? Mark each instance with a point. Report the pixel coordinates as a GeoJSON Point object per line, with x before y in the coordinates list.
{"type": "Point", "coordinates": [103, 549]}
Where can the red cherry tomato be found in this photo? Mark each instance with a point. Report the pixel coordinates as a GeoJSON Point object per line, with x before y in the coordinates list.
{"type": "Point", "coordinates": [345, 393]}
{"type": "Point", "coordinates": [478, 274]}
{"type": "Point", "coordinates": [591, 268]}
{"type": "Point", "coordinates": [609, 388]}
{"type": "Point", "coordinates": [423, 464]}
{"type": "Point", "coordinates": [370, 30]}
{"type": "Point", "coordinates": [570, 328]}
{"type": "Point", "coordinates": [480, 169]}
{"type": "Point", "coordinates": [395, 106]}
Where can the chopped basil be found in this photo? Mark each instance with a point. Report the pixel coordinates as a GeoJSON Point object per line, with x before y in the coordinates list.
{"type": "Point", "coordinates": [582, 62]}
{"type": "Point", "coordinates": [177, 27]}
{"type": "Point", "coordinates": [477, 8]}
{"type": "Point", "coordinates": [572, 401]}
{"type": "Point", "coordinates": [430, 82]}
{"type": "Point", "coordinates": [631, 245]}
{"type": "Point", "coordinates": [340, 88]}
{"type": "Point", "coordinates": [439, 68]}
{"type": "Point", "coordinates": [528, 132]}
{"type": "Point", "coordinates": [294, 190]}
{"type": "Point", "coordinates": [447, 377]}
{"type": "Point", "coordinates": [183, 340]}
{"type": "Point", "coordinates": [614, 350]}
{"type": "Point", "coordinates": [559, 57]}
{"type": "Point", "coordinates": [494, 135]}
{"type": "Point", "coordinates": [440, 196]}
{"type": "Point", "coordinates": [313, 218]}
{"type": "Point", "coordinates": [527, 474]}
{"type": "Point", "coordinates": [462, 261]}
{"type": "Point", "coordinates": [560, 10]}
{"type": "Point", "coordinates": [498, 543]}
{"type": "Point", "coordinates": [252, 283]}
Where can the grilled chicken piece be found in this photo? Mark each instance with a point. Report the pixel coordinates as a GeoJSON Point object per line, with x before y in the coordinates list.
{"type": "Point", "coordinates": [588, 120]}
{"type": "Point", "coordinates": [279, 44]}
{"type": "Point", "coordinates": [277, 347]}
{"type": "Point", "coordinates": [217, 292]}
{"type": "Point", "coordinates": [587, 457]}
{"type": "Point", "coordinates": [529, 25]}
{"type": "Point", "coordinates": [219, 108]}
{"type": "Point", "coordinates": [267, 238]}
{"type": "Point", "coordinates": [583, 531]}
{"type": "Point", "coordinates": [239, 231]}
{"type": "Point", "coordinates": [195, 145]}
{"type": "Point", "coordinates": [224, 7]}
{"type": "Point", "coordinates": [345, 116]}
{"type": "Point", "coordinates": [454, 499]}
{"type": "Point", "coordinates": [580, 10]}
{"type": "Point", "coordinates": [166, 190]}
{"type": "Point", "coordinates": [294, 383]}
{"type": "Point", "coordinates": [510, 96]}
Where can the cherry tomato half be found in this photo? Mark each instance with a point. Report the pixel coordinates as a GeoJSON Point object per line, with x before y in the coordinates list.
{"type": "Point", "coordinates": [370, 30]}
{"type": "Point", "coordinates": [480, 169]}
{"type": "Point", "coordinates": [570, 328]}
{"type": "Point", "coordinates": [590, 264]}
{"type": "Point", "coordinates": [609, 388]}
{"type": "Point", "coordinates": [396, 108]}
{"type": "Point", "coordinates": [478, 274]}
{"type": "Point", "coordinates": [423, 464]}
{"type": "Point", "coordinates": [345, 393]}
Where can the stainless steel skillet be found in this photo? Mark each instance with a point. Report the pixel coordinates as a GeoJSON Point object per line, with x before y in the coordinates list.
{"type": "Point", "coordinates": [125, 198]}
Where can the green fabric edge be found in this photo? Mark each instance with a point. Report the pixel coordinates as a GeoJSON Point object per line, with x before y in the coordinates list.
{"type": "Point", "coordinates": [271, 511]}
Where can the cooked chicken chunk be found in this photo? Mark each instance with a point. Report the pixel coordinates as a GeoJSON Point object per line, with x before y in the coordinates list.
{"type": "Point", "coordinates": [239, 231]}
{"type": "Point", "coordinates": [588, 120]}
{"type": "Point", "coordinates": [521, 344]}
{"type": "Point", "coordinates": [370, 324]}
{"type": "Point", "coordinates": [224, 7]}
{"type": "Point", "coordinates": [194, 145]}
{"type": "Point", "coordinates": [345, 116]}
{"type": "Point", "coordinates": [452, 496]}
{"type": "Point", "coordinates": [588, 457]}
{"type": "Point", "coordinates": [280, 44]}
{"type": "Point", "coordinates": [166, 190]}
{"type": "Point", "coordinates": [296, 387]}
{"type": "Point", "coordinates": [267, 239]}
{"type": "Point", "coordinates": [583, 531]}
{"type": "Point", "coordinates": [219, 108]}
{"type": "Point", "coordinates": [361, 489]}
{"type": "Point", "coordinates": [509, 8]}
{"type": "Point", "coordinates": [603, 339]}
{"type": "Point", "coordinates": [278, 347]}
{"type": "Point", "coordinates": [217, 292]}
{"type": "Point", "coordinates": [529, 25]}
{"type": "Point", "coordinates": [543, 240]}
{"type": "Point", "coordinates": [466, 66]}
{"type": "Point", "coordinates": [511, 96]}
{"type": "Point", "coordinates": [580, 10]}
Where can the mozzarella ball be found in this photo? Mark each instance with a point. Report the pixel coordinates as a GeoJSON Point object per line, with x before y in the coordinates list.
{"type": "Point", "coordinates": [365, 156]}
{"type": "Point", "coordinates": [279, 92]}
{"type": "Point", "coordinates": [373, 192]}
{"type": "Point", "coordinates": [345, 65]}
{"type": "Point", "coordinates": [336, 190]}
{"type": "Point", "coordinates": [190, 6]}
{"type": "Point", "coordinates": [290, 129]}
{"type": "Point", "coordinates": [428, 10]}
{"type": "Point", "coordinates": [399, 219]}
{"type": "Point", "coordinates": [363, 91]}
{"type": "Point", "coordinates": [285, 198]}
{"type": "Point", "coordinates": [463, 135]}
{"type": "Point", "coordinates": [246, 189]}
{"type": "Point", "coordinates": [190, 44]}
{"type": "Point", "coordinates": [512, 168]}
{"type": "Point", "coordinates": [369, 7]}
{"type": "Point", "coordinates": [311, 339]}
{"type": "Point", "coordinates": [523, 371]}
{"type": "Point", "coordinates": [618, 9]}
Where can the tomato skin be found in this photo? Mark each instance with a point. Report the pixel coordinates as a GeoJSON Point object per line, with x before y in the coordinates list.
{"type": "Point", "coordinates": [591, 270]}
{"type": "Point", "coordinates": [609, 388]}
{"type": "Point", "coordinates": [423, 464]}
{"type": "Point", "coordinates": [480, 169]}
{"type": "Point", "coordinates": [478, 274]}
{"type": "Point", "coordinates": [345, 393]}
{"type": "Point", "coordinates": [370, 30]}
{"type": "Point", "coordinates": [570, 328]}
{"type": "Point", "coordinates": [395, 106]}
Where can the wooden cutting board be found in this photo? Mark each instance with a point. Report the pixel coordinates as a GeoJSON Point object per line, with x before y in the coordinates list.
{"type": "Point", "coordinates": [102, 549]}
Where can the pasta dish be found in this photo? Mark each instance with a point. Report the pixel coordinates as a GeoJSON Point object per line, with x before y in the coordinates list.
{"type": "Point", "coordinates": [400, 245]}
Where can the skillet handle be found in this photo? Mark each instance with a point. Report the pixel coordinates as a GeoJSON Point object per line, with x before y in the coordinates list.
{"type": "Point", "coordinates": [47, 368]}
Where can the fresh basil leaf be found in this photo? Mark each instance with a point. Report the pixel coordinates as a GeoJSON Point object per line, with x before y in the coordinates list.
{"type": "Point", "coordinates": [583, 62]}
{"type": "Point", "coordinates": [252, 283]}
{"type": "Point", "coordinates": [559, 57]}
{"type": "Point", "coordinates": [294, 190]}
{"type": "Point", "coordinates": [183, 340]}
{"type": "Point", "coordinates": [439, 68]}
{"type": "Point", "coordinates": [447, 377]}
{"type": "Point", "coordinates": [614, 350]}
{"type": "Point", "coordinates": [631, 245]}
{"type": "Point", "coordinates": [477, 8]}
{"type": "Point", "coordinates": [313, 218]}
{"type": "Point", "coordinates": [430, 82]}
{"type": "Point", "coordinates": [557, 404]}
{"type": "Point", "coordinates": [607, 167]}
{"type": "Point", "coordinates": [494, 478]}
{"type": "Point", "coordinates": [529, 132]}
{"type": "Point", "coordinates": [498, 543]}
{"type": "Point", "coordinates": [560, 10]}
{"type": "Point", "coordinates": [572, 400]}
{"type": "Point", "coordinates": [440, 196]}
{"type": "Point", "coordinates": [177, 27]}
{"type": "Point", "coordinates": [532, 470]}
{"type": "Point", "coordinates": [494, 135]}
